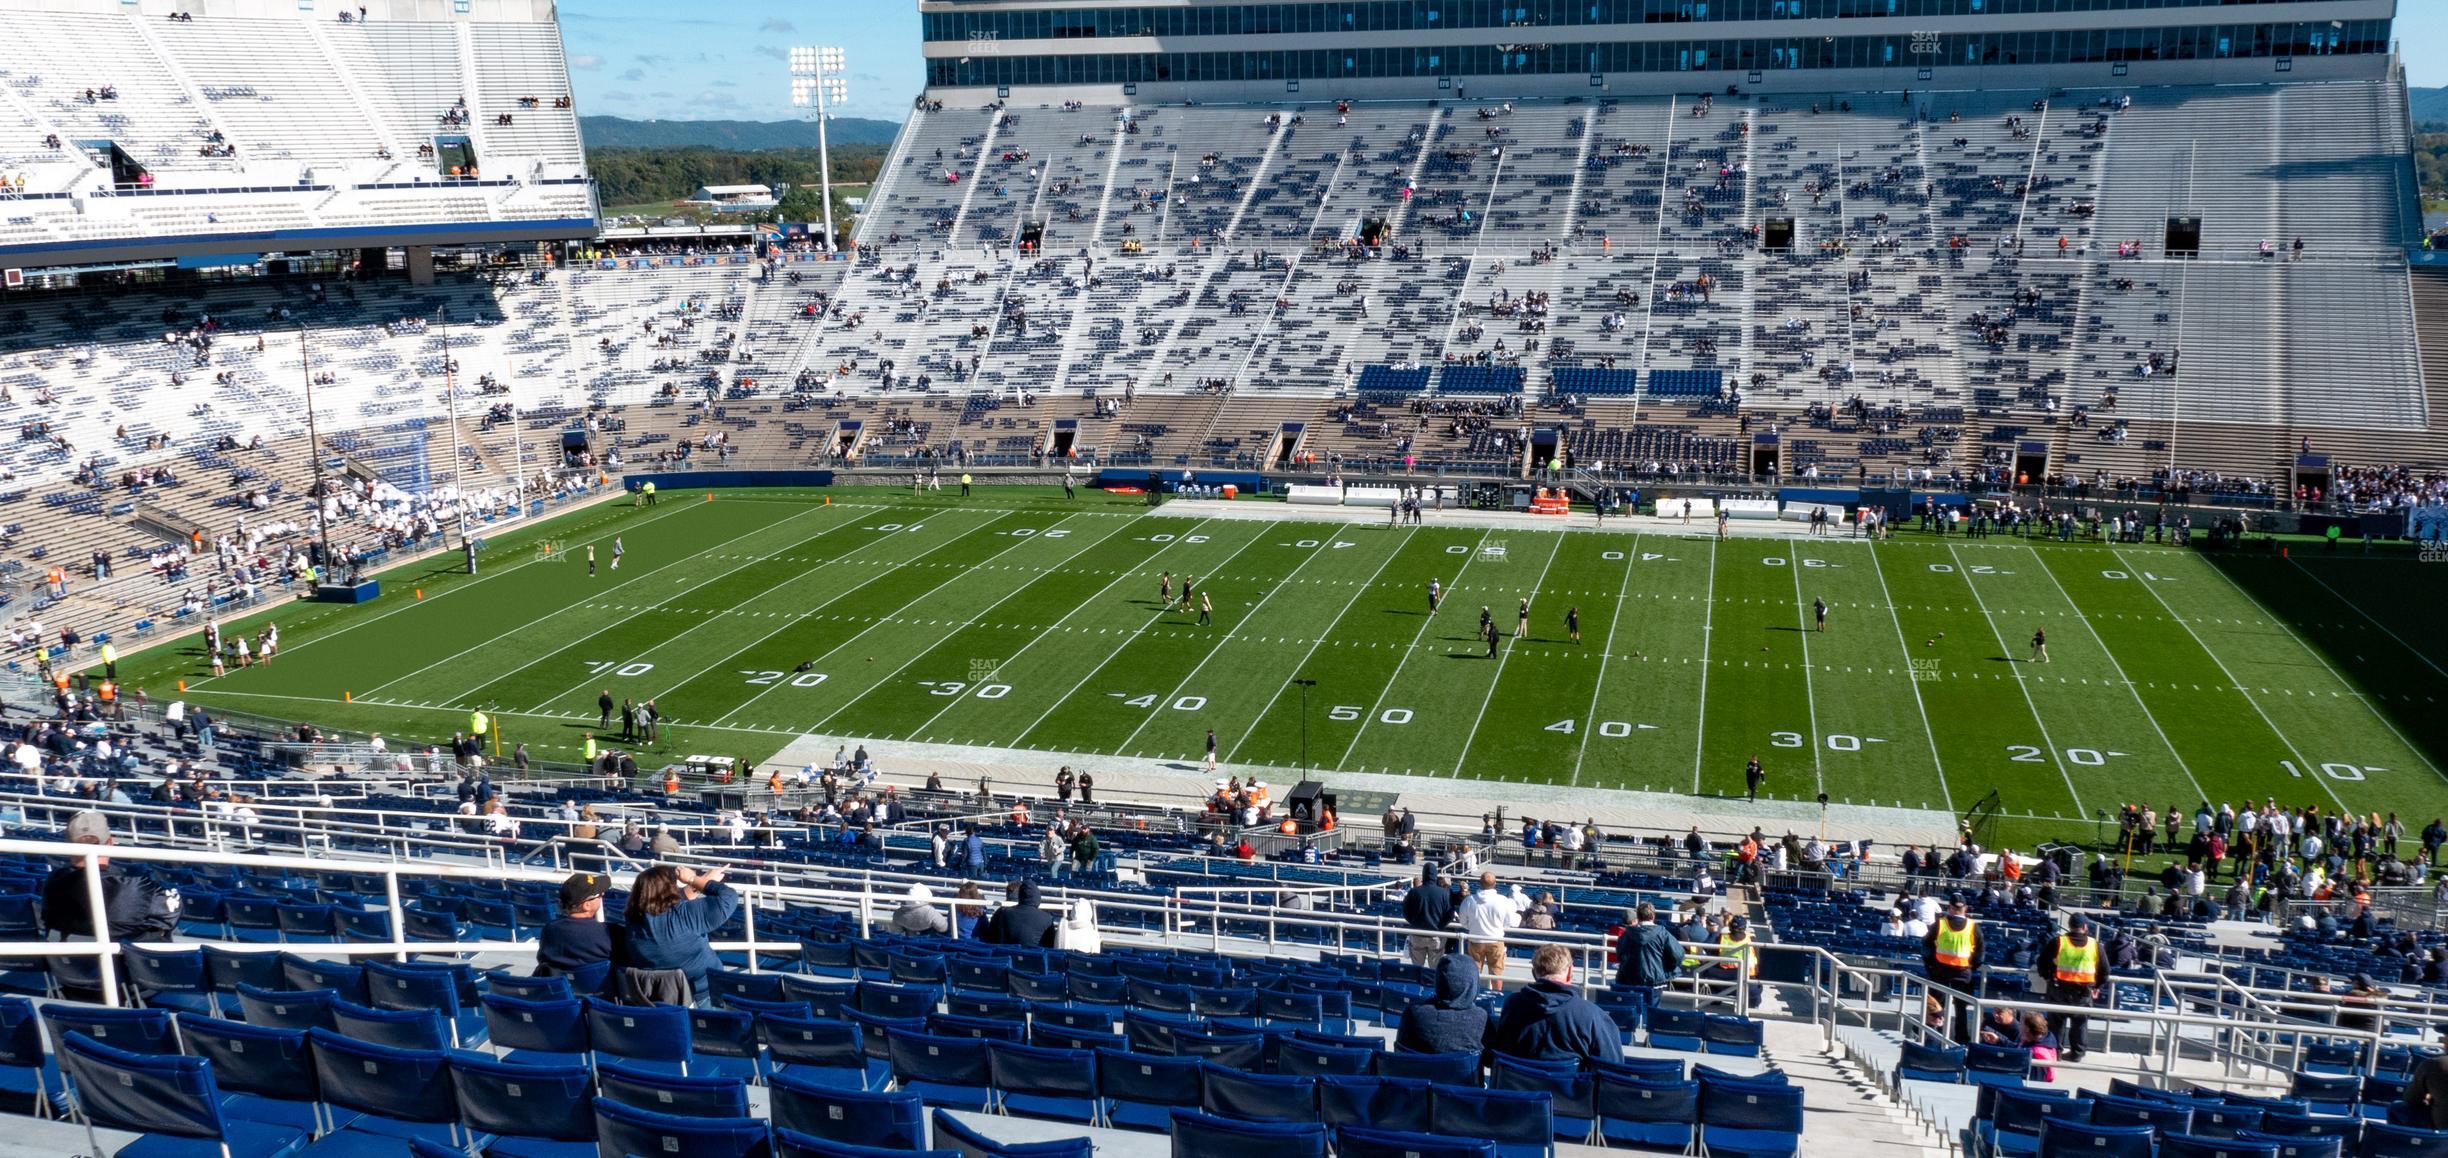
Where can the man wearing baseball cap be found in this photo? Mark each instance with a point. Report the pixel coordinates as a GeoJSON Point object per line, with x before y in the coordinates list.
{"type": "Point", "coordinates": [135, 906]}
{"type": "Point", "coordinates": [581, 937]}
{"type": "Point", "coordinates": [2073, 968]}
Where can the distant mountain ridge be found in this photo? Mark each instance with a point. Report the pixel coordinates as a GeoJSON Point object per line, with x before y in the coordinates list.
{"type": "Point", "coordinates": [738, 136]}
{"type": "Point", "coordinates": [2430, 105]}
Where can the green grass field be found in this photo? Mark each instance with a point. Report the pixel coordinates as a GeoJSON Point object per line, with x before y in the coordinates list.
{"type": "Point", "coordinates": [1018, 619]}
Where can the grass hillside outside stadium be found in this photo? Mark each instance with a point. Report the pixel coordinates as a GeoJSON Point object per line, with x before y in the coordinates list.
{"type": "Point", "coordinates": [1017, 618]}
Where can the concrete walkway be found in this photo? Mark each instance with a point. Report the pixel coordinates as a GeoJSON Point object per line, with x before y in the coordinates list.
{"type": "Point", "coordinates": [1580, 520]}
{"type": "Point", "coordinates": [1451, 805]}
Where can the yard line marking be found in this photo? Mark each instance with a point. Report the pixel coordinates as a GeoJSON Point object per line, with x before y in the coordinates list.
{"type": "Point", "coordinates": [497, 637]}
{"type": "Point", "coordinates": [2358, 609]}
{"type": "Point", "coordinates": [396, 608]}
{"type": "Point", "coordinates": [1810, 690]}
{"type": "Point", "coordinates": [844, 558]}
{"type": "Point", "coordinates": [1348, 604]}
{"type": "Point", "coordinates": [1315, 553]}
{"type": "Point", "coordinates": [1708, 605]}
{"type": "Point", "coordinates": [2055, 757]}
{"type": "Point", "coordinates": [1605, 653]}
{"type": "Point", "coordinates": [2119, 669]}
{"type": "Point", "coordinates": [1504, 655]}
{"type": "Point", "coordinates": [1263, 528]}
{"type": "Point", "coordinates": [2323, 661]}
{"type": "Point", "coordinates": [1416, 637]}
{"type": "Point", "coordinates": [1016, 589]}
{"type": "Point", "coordinates": [1944, 792]}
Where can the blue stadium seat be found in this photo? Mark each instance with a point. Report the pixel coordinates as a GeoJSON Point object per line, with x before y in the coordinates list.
{"type": "Point", "coordinates": [133, 1030]}
{"type": "Point", "coordinates": [981, 1028]}
{"type": "Point", "coordinates": [1140, 1091]}
{"type": "Point", "coordinates": [1650, 1114]}
{"type": "Point", "coordinates": [399, 1093]}
{"type": "Point", "coordinates": [286, 1009]}
{"type": "Point", "coordinates": [654, 1035]}
{"type": "Point", "coordinates": [169, 978]}
{"type": "Point", "coordinates": [725, 1042]}
{"type": "Point", "coordinates": [531, 1111]}
{"type": "Point", "coordinates": [793, 1144]}
{"type": "Point", "coordinates": [951, 1135]}
{"type": "Point", "coordinates": [341, 977]}
{"type": "Point", "coordinates": [2110, 1110]}
{"type": "Point", "coordinates": [664, 1092]}
{"type": "Point", "coordinates": [1735, 1036]}
{"type": "Point", "coordinates": [1569, 1091]}
{"type": "Point", "coordinates": [2347, 1129]}
{"type": "Point", "coordinates": [169, 1098]}
{"type": "Point", "coordinates": [1363, 1142]}
{"type": "Point", "coordinates": [1997, 1065]}
{"type": "Point", "coordinates": [548, 1031]}
{"type": "Point", "coordinates": [942, 1071]}
{"type": "Point", "coordinates": [1237, 1049]}
{"type": "Point", "coordinates": [2385, 1140]}
{"type": "Point", "coordinates": [1310, 1059]}
{"type": "Point", "coordinates": [29, 1076]}
{"type": "Point", "coordinates": [231, 968]}
{"type": "Point", "coordinates": [1035, 1082]}
{"type": "Point", "coordinates": [625, 1130]}
{"type": "Point", "coordinates": [1444, 1069]}
{"type": "Point", "coordinates": [265, 1074]}
{"type": "Point", "coordinates": [725, 984]}
{"type": "Point", "coordinates": [1256, 1097]}
{"type": "Point", "coordinates": [397, 1028]}
{"type": "Point", "coordinates": [2337, 1093]}
{"type": "Point", "coordinates": [503, 984]}
{"type": "Point", "coordinates": [2299, 1146]}
{"type": "Point", "coordinates": [1399, 1104]}
{"type": "Point", "coordinates": [1683, 1029]}
{"type": "Point", "coordinates": [836, 1114]}
{"type": "Point", "coordinates": [1521, 1123]}
{"type": "Point", "coordinates": [1197, 1135]}
{"type": "Point", "coordinates": [2067, 1138]}
{"type": "Point", "coordinates": [1923, 1063]}
{"type": "Point", "coordinates": [2012, 1125]}
{"type": "Point", "coordinates": [1750, 1119]}
{"type": "Point", "coordinates": [2195, 1146]}
{"type": "Point", "coordinates": [822, 1050]}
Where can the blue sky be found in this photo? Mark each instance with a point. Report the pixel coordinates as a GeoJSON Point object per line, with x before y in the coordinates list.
{"type": "Point", "coordinates": [633, 58]}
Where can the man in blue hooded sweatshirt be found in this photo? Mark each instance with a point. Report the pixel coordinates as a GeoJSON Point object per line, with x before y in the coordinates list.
{"type": "Point", "coordinates": [1549, 1020]}
{"type": "Point", "coordinates": [1453, 1021]}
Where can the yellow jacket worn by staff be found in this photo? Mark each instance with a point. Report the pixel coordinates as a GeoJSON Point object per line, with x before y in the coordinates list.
{"type": "Point", "coordinates": [1952, 947]}
{"type": "Point", "coordinates": [1741, 950]}
{"type": "Point", "coordinates": [478, 723]}
{"type": "Point", "coordinates": [2072, 964]}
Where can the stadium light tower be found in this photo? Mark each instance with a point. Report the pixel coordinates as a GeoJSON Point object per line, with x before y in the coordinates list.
{"type": "Point", "coordinates": [818, 82]}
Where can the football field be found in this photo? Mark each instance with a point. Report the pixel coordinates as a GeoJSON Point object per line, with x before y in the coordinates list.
{"type": "Point", "coordinates": [1020, 619]}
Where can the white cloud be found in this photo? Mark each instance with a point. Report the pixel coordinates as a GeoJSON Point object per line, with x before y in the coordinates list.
{"type": "Point", "coordinates": [586, 62]}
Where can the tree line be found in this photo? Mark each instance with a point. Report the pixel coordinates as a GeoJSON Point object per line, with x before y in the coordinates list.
{"type": "Point", "coordinates": [641, 176]}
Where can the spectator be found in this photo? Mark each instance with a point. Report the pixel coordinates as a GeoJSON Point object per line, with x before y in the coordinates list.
{"type": "Point", "coordinates": [580, 937]}
{"type": "Point", "coordinates": [1429, 910]}
{"type": "Point", "coordinates": [918, 915]}
{"type": "Point", "coordinates": [1485, 917]}
{"type": "Point", "coordinates": [1078, 932]}
{"type": "Point", "coordinates": [1647, 955]}
{"type": "Point", "coordinates": [670, 929]}
{"type": "Point", "coordinates": [1453, 1021]}
{"type": "Point", "coordinates": [2426, 1091]}
{"type": "Point", "coordinates": [1541, 915]}
{"type": "Point", "coordinates": [968, 908]}
{"type": "Point", "coordinates": [1023, 922]}
{"type": "Point", "coordinates": [136, 908]}
{"type": "Point", "coordinates": [1549, 1020]}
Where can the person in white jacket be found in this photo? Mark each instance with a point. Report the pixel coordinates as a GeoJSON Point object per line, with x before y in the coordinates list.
{"type": "Point", "coordinates": [1485, 915]}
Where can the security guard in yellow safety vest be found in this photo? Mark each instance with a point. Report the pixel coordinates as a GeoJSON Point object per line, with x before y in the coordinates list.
{"type": "Point", "coordinates": [110, 662]}
{"type": "Point", "coordinates": [1951, 956]}
{"type": "Point", "coordinates": [2071, 966]}
{"type": "Point", "coordinates": [1735, 942]}
{"type": "Point", "coordinates": [590, 748]}
{"type": "Point", "coordinates": [478, 724]}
